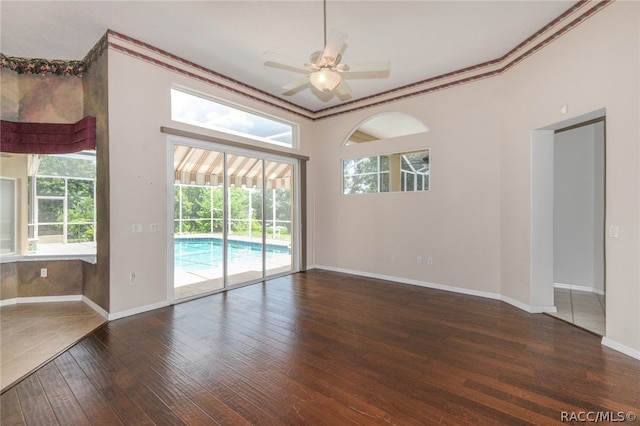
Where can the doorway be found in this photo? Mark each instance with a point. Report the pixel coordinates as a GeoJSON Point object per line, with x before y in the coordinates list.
{"type": "Point", "coordinates": [569, 221]}
{"type": "Point", "coordinates": [235, 218]}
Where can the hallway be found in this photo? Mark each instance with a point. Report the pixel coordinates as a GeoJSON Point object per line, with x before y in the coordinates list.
{"type": "Point", "coordinates": [584, 309]}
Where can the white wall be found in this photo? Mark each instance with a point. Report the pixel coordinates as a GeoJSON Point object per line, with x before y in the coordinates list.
{"type": "Point", "coordinates": [476, 222]}
{"type": "Point", "coordinates": [579, 207]}
{"type": "Point", "coordinates": [582, 70]}
{"type": "Point", "coordinates": [456, 223]}
{"type": "Point", "coordinates": [139, 104]}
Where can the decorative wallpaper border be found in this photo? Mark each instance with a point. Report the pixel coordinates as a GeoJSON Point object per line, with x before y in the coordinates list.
{"type": "Point", "coordinates": [42, 66]}
{"type": "Point", "coordinates": [38, 66]}
{"type": "Point", "coordinates": [247, 88]}
{"type": "Point", "coordinates": [466, 75]}
{"type": "Point", "coordinates": [244, 89]}
{"type": "Point", "coordinates": [96, 51]}
{"type": "Point", "coordinates": [509, 56]}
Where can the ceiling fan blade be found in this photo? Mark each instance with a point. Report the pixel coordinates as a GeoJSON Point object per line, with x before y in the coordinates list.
{"type": "Point", "coordinates": [333, 49]}
{"type": "Point", "coordinates": [375, 67]}
{"type": "Point", "coordinates": [295, 86]}
{"type": "Point", "coordinates": [343, 89]}
{"type": "Point", "coordinates": [277, 60]}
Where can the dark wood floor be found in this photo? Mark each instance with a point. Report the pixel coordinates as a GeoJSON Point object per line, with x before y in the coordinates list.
{"type": "Point", "coordinates": [326, 348]}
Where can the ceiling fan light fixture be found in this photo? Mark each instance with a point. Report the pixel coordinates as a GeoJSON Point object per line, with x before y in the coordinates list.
{"type": "Point", "coordinates": [325, 80]}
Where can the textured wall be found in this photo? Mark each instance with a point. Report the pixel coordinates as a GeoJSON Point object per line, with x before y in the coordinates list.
{"type": "Point", "coordinates": [50, 99]}
{"type": "Point", "coordinates": [8, 281]}
{"type": "Point", "coordinates": [96, 104]}
{"type": "Point", "coordinates": [9, 95]}
{"type": "Point", "coordinates": [22, 279]}
{"type": "Point", "coordinates": [60, 99]}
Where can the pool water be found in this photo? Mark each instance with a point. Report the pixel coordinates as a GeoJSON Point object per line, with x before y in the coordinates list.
{"type": "Point", "coordinates": [195, 254]}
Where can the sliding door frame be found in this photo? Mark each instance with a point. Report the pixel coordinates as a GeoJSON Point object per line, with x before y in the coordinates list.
{"type": "Point", "coordinates": [298, 238]}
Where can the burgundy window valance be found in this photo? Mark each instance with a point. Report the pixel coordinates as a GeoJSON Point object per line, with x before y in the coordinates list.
{"type": "Point", "coordinates": [47, 138]}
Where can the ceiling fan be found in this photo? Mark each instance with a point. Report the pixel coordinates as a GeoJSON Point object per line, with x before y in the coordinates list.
{"type": "Point", "coordinates": [324, 69]}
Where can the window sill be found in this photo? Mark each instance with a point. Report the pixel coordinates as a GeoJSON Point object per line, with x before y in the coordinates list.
{"type": "Point", "coordinates": [48, 257]}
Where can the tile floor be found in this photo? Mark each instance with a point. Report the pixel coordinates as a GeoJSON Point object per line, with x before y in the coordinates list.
{"type": "Point", "coordinates": [584, 309]}
{"type": "Point", "coordinates": [33, 333]}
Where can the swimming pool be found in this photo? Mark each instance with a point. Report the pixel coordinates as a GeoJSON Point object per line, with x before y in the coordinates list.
{"type": "Point", "coordinates": [196, 254]}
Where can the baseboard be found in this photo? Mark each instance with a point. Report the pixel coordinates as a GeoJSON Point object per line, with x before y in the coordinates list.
{"type": "Point", "coordinates": [633, 353]}
{"type": "Point", "coordinates": [96, 307]}
{"type": "Point", "coordinates": [41, 299]}
{"type": "Point", "coordinates": [543, 309]}
{"type": "Point", "coordinates": [435, 286]}
{"type": "Point", "coordinates": [453, 289]}
{"type": "Point", "coordinates": [575, 287]}
{"type": "Point", "coordinates": [516, 303]}
{"type": "Point", "coordinates": [52, 299]}
{"type": "Point", "coordinates": [139, 310]}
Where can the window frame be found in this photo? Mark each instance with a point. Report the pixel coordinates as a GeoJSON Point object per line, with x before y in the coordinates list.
{"type": "Point", "coordinates": [403, 173]}
{"type": "Point", "coordinates": [14, 219]}
{"type": "Point", "coordinates": [295, 128]}
{"type": "Point", "coordinates": [30, 247]}
{"type": "Point", "coordinates": [384, 116]}
{"type": "Point", "coordinates": [34, 206]}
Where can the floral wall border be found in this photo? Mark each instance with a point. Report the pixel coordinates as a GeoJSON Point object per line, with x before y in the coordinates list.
{"type": "Point", "coordinates": [58, 67]}
{"type": "Point", "coordinates": [42, 66]}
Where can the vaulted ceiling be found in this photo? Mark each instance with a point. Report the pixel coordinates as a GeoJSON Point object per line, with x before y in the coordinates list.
{"type": "Point", "coordinates": [421, 39]}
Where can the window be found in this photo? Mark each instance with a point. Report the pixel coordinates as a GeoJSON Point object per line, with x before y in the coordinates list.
{"type": "Point", "coordinates": [59, 193]}
{"type": "Point", "coordinates": [7, 216]}
{"type": "Point", "coordinates": [384, 126]}
{"type": "Point", "coordinates": [198, 209]}
{"type": "Point", "coordinates": [401, 172]}
{"type": "Point", "coordinates": [62, 207]}
{"type": "Point", "coordinates": [204, 112]}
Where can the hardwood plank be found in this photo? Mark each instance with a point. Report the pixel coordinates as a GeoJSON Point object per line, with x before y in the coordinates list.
{"type": "Point", "coordinates": [153, 371]}
{"type": "Point", "coordinates": [228, 406]}
{"type": "Point", "coordinates": [93, 403]}
{"type": "Point", "coordinates": [33, 402]}
{"type": "Point", "coordinates": [62, 400]}
{"type": "Point", "coordinates": [330, 348]}
{"type": "Point", "coordinates": [143, 400]}
{"type": "Point", "coordinates": [10, 409]}
{"type": "Point", "coordinates": [107, 380]}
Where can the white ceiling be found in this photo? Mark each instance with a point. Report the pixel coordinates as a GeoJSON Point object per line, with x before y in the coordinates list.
{"type": "Point", "coordinates": [421, 39]}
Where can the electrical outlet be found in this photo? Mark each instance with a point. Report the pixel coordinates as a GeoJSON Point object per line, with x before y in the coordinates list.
{"type": "Point", "coordinates": [419, 259]}
{"type": "Point", "coordinates": [429, 260]}
{"type": "Point", "coordinates": [614, 231]}
{"type": "Point", "coordinates": [132, 278]}
{"type": "Point", "coordinates": [43, 272]}
{"type": "Point", "coordinates": [154, 227]}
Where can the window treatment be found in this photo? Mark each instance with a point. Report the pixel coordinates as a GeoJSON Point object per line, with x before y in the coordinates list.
{"type": "Point", "coordinates": [47, 138]}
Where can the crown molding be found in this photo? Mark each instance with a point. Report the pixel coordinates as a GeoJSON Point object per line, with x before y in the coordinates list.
{"type": "Point", "coordinates": [140, 50]}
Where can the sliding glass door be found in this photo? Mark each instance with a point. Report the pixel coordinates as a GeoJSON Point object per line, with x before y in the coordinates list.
{"type": "Point", "coordinates": [198, 221]}
{"type": "Point", "coordinates": [234, 220]}
{"type": "Point", "coordinates": [245, 233]}
{"type": "Point", "coordinates": [278, 216]}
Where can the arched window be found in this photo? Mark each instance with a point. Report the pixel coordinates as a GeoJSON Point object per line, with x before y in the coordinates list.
{"type": "Point", "coordinates": [406, 171]}
{"type": "Point", "coordinates": [385, 125]}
